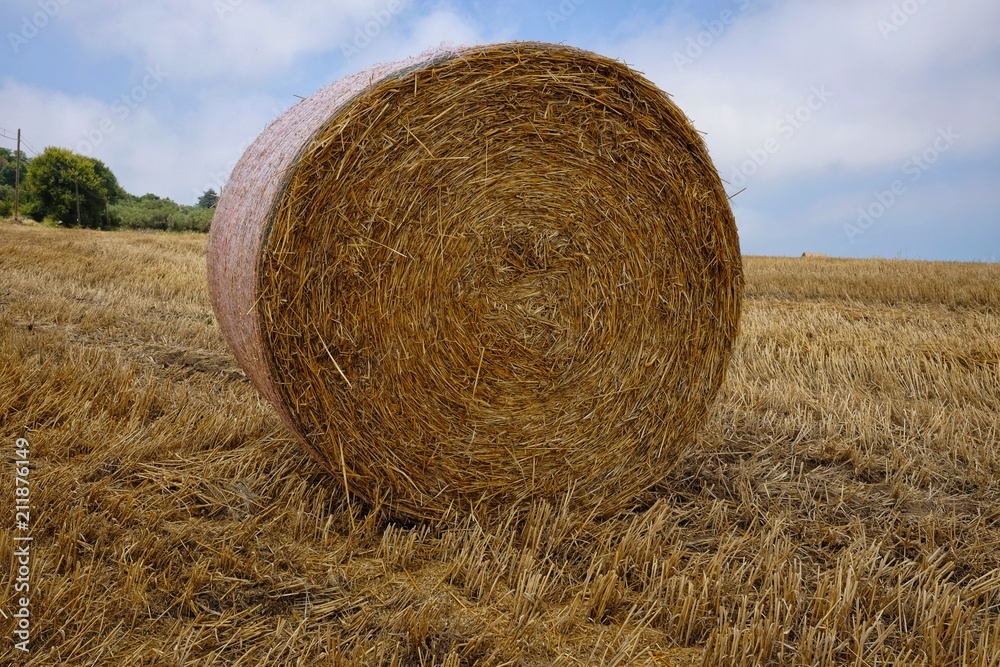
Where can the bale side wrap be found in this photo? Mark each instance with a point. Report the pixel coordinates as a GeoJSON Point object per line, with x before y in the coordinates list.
{"type": "Point", "coordinates": [482, 277]}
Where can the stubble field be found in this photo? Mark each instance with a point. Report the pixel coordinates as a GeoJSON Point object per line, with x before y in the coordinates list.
{"type": "Point", "coordinates": [841, 504]}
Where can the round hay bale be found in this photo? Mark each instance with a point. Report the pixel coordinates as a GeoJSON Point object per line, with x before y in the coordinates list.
{"type": "Point", "coordinates": [482, 277]}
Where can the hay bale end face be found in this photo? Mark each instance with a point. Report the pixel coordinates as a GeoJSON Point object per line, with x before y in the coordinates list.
{"type": "Point", "coordinates": [482, 277]}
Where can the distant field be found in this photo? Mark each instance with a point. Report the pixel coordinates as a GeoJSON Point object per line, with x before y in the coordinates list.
{"type": "Point", "coordinates": [840, 507]}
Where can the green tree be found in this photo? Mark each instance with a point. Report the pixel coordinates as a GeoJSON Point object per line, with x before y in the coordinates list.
{"type": "Point", "coordinates": [152, 212]}
{"type": "Point", "coordinates": [71, 188]}
{"type": "Point", "coordinates": [208, 199]}
{"type": "Point", "coordinates": [8, 163]}
{"type": "Point", "coordinates": [116, 192]}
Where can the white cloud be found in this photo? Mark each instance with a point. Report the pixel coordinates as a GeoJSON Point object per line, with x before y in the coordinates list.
{"type": "Point", "coordinates": [48, 117]}
{"type": "Point", "coordinates": [889, 94]}
{"type": "Point", "coordinates": [411, 37]}
{"type": "Point", "coordinates": [228, 73]}
{"type": "Point", "coordinates": [183, 133]}
{"type": "Point", "coordinates": [442, 26]}
{"type": "Point", "coordinates": [207, 39]}
{"type": "Point", "coordinates": [178, 158]}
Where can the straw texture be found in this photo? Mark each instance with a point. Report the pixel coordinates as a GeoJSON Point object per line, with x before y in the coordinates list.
{"type": "Point", "coordinates": [483, 277]}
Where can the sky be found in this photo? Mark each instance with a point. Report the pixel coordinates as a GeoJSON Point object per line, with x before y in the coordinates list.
{"type": "Point", "coordinates": [855, 128]}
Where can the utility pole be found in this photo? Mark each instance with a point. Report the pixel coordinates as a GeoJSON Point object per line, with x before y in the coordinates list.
{"type": "Point", "coordinates": [17, 177]}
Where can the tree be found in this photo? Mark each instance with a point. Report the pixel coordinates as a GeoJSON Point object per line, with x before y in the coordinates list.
{"type": "Point", "coordinates": [208, 199]}
{"type": "Point", "coordinates": [8, 163]}
{"type": "Point", "coordinates": [116, 192]}
{"type": "Point", "coordinates": [71, 188]}
{"type": "Point", "coordinates": [152, 212]}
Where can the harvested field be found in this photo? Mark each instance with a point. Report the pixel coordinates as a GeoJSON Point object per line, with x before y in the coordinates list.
{"type": "Point", "coordinates": [841, 505]}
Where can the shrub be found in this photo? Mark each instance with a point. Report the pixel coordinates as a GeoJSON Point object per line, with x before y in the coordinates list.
{"type": "Point", "coordinates": [152, 212]}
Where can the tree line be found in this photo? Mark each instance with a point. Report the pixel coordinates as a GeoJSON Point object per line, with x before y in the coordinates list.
{"type": "Point", "coordinates": [74, 190]}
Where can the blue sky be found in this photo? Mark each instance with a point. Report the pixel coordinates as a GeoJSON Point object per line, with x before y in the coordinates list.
{"type": "Point", "coordinates": [860, 128]}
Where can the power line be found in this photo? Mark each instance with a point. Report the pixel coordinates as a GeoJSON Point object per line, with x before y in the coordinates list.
{"type": "Point", "coordinates": [62, 177]}
{"type": "Point", "coordinates": [17, 178]}
{"type": "Point", "coordinates": [3, 133]}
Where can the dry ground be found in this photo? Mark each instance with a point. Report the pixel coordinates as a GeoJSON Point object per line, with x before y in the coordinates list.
{"type": "Point", "coordinates": [841, 505]}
